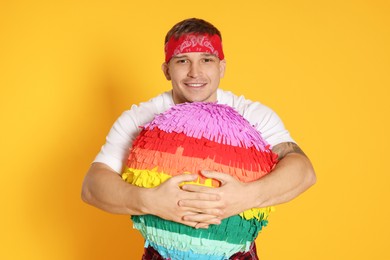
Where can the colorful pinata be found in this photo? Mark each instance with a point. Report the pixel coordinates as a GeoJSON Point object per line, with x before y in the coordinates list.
{"type": "Point", "coordinates": [188, 138]}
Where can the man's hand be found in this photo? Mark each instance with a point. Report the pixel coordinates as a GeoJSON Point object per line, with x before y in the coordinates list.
{"type": "Point", "coordinates": [163, 201]}
{"type": "Point", "coordinates": [105, 189]}
{"type": "Point", "coordinates": [291, 176]}
{"type": "Point", "coordinates": [234, 197]}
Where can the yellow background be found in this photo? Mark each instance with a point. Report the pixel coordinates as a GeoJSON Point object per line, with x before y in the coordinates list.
{"type": "Point", "coordinates": [69, 68]}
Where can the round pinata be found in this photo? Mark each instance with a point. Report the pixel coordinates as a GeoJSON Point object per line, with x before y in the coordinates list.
{"type": "Point", "coordinates": [188, 138]}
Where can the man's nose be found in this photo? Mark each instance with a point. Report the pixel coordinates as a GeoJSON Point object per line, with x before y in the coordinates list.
{"type": "Point", "coordinates": [194, 70]}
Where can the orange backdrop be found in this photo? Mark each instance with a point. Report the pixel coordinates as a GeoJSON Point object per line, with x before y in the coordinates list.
{"type": "Point", "coordinates": [69, 68]}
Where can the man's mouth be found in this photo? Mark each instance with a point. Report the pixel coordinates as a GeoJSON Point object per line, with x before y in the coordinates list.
{"type": "Point", "coordinates": [195, 85]}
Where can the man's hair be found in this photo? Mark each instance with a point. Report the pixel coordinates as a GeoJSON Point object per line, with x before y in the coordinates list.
{"type": "Point", "coordinates": [192, 25]}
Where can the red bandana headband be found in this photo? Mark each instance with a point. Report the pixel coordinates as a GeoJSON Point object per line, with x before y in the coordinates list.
{"type": "Point", "coordinates": [194, 43]}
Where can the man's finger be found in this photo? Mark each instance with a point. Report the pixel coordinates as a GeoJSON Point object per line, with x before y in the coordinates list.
{"type": "Point", "coordinates": [202, 225]}
{"type": "Point", "coordinates": [202, 218]}
{"type": "Point", "coordinates": [189, 223]}
{"type": "Point", "coordinates": [184, 178]}
{"type": "Point", "coordinates": [221, 177]}
{"type": "Point", "coordinates": [197, 188]}
{"type": "Point", "coordinates": [216, 212]}
{"type": "Point", "coordinates": [201, 192]}
{"type": "Point", "coordinates": [195, 224]}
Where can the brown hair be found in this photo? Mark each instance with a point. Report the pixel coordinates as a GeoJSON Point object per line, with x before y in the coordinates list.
{"type": "Point", "coordinates": [192, 25]}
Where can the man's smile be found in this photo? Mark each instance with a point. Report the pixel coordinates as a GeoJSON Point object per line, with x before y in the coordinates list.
{"type": "Point", "coordinates": [195, 85]}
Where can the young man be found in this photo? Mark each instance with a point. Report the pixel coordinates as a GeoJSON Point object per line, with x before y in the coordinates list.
{"type": "Point", "coordinates": [195, 64]}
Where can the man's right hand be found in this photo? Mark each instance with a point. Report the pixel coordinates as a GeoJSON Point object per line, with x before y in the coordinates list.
{"type": "Point", "coordinates": [163, 201]}
{"type": "Point", "coordinates": [103, 188]}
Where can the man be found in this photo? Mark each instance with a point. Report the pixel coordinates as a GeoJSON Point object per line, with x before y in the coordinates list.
{"type": "Point", "coordinates": [194, 64]}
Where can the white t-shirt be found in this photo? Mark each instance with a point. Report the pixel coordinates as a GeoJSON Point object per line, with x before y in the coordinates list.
{"type": "Point", "coordinates": [127, 127]}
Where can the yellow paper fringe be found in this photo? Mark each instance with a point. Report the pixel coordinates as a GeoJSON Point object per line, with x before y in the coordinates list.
{"type": "Point", "coordinates": [153, 178]}
{"type": "Point", "coordinates": [144, 178]}
{"type": "Point", "coordinates": [258, 213]}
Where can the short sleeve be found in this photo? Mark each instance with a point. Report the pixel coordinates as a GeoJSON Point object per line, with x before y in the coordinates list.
{"type": "Point", "coordinates": [127, 127]}
{"type": "Point", "coordinates": [268, 123]}
{"type": "Point", "coordinates": [114, 152]}
{"type": "Point", "coordinates": [264, 119]}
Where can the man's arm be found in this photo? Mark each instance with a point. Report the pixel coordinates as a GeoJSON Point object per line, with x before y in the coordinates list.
{"type": "Point", "coordinates": [292, 176]}
{"type": "Point", "coordinates": [105, 189]}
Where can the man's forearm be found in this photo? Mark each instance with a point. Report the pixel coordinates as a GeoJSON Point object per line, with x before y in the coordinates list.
{"type": "Point", "coordinates": [104, 189]}
{"type": "Point", "coordinates": [292, 176]}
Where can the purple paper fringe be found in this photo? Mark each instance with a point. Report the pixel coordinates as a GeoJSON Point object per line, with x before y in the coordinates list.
{"type": "Point", "coordinates": [215, 122]}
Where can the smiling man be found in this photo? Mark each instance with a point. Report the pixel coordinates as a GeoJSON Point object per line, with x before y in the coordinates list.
{"type": "Point", "coordinates": [195, 64]}
{"type": "Point", "coordinates": [195, 76]}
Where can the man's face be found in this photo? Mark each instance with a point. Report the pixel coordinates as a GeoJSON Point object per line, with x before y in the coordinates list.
{"type": "Point", "coordinates": [195, 76]}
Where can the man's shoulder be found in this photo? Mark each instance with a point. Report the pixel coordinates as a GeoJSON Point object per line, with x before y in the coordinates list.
{"type": "Point", "coordinates": [158, 103]}
{"type": "Point", "coordinates": [239, 102]}
{"type": "Point", "coordinates": [144, 112]}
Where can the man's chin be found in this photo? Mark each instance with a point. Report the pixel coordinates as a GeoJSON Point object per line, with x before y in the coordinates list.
{"type": "Point", "coordinates": [201, 99]}
{"type": "Point", "coordinates": [196, 98]}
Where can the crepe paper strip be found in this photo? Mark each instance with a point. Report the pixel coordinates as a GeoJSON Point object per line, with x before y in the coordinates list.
{"type": "Point", "coordinates": [153, 178]}
{"type": "Point", "coordinates": [181, 145]}
{"type": "Point", "coordinates": [172, 253]}
{"type": "Point", "coordinates": [144, 178]}
{"type": "Point", "coordinates": [209, 120]}
{"type": "Point", "coordinates": [176, 254]}
{"type": "Point", "coordinates": [232, 230]}
{"type": "Point", "coordinates": [257, 213]}
{"type": "Point", "coordinates": [152, 254]}
{"type": "Point", "coordinates": [175, 164]}
{"type": "Point", "coordinates": [185, 244]}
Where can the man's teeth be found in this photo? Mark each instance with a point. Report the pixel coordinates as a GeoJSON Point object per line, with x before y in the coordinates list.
{"type": "Point", "coordinates": [195, 84]}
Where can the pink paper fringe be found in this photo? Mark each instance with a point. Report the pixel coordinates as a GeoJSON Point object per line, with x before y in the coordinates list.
{"type": "Point", "coordinates": [215, 122]}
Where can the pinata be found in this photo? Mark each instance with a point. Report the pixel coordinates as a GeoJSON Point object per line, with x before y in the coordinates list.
{"type": "Point", "coordinates": [188, 138]}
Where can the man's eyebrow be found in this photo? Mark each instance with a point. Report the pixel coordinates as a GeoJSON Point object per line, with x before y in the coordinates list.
{"type": "Point", "coordinates": [208, 54]}
{"type": "Point", "coordinates": [204, 54]}
{"type": "Point", "coordinates": [179, 57]}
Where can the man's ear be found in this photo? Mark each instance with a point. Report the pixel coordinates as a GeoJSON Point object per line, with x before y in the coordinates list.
{"type": "Point", "coordinates": [165, 69]}
{"type": "Point", "coordinates": [222, 68]}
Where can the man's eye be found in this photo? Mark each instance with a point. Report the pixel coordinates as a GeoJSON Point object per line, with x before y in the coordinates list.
{"type": "Point", "coordinates": [208, 60]}
{"type": "Point", "coordinates": [182, 61]}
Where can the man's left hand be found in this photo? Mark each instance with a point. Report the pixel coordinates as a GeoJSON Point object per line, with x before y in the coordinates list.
{"type": "Point", "coordinates": [234, 196]}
